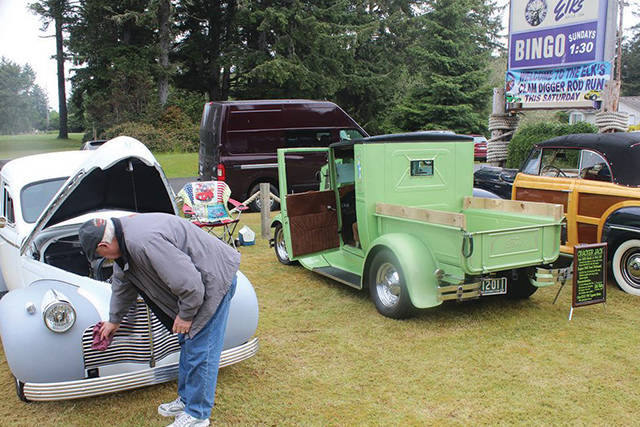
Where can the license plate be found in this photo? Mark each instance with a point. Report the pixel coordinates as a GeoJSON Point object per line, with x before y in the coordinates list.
{"type": "Point", "coordinates": [494, 286]}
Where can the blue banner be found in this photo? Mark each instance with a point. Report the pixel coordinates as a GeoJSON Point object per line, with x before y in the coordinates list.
{"type": "Point", "coordinates": [576, 86]}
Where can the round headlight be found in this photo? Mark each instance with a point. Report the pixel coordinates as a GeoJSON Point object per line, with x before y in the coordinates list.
{"type": "Point", "coordinates": [59, 316]}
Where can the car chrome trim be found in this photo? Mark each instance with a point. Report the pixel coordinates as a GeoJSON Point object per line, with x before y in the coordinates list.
{"type": "Point", "coordinates": [259, 166]}
{"type": "Point", "coordinates": [623, 228]}
{"type": "Point", "coordinates": [141, 338]}
{"type": "Point", "coordinates": [112, 383]}
{"type": "Point", "coordinates": [9, 241]}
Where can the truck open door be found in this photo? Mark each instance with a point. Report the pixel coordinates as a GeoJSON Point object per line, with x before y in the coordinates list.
{"type": "Point", "coordinates": [311, 218]}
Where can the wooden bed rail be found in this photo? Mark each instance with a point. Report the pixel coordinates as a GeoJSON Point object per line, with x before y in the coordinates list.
{"type": "Point", "coordinates": [515, 206]}
{"type": "Point", "coordinates": [451, 219]}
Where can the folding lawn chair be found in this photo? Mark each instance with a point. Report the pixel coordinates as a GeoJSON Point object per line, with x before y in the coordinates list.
{"type": "Point", "coordinates": [205, 204]}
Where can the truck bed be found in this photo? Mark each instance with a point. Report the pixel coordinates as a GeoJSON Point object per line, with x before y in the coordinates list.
{"type": "Point", "coordinates": [486, 235]}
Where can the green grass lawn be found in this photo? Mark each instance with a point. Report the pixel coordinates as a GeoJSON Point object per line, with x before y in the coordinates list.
{"type": "Point", "coordinates": [328, 358]}
{"type": "Point", "coordinates": [178, 165]}
{"type": "Point", "coordinates": [12, 146]}
{"type": "Point", "coordinates": [175, 165]}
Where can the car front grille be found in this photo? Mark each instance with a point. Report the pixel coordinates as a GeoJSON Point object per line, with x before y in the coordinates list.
{"type": "Point", "coordinates": [141, 338]}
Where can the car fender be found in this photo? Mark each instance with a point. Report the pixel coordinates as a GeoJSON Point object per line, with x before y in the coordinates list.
{"type": "Point", "coordinates": [243, 314]}
{"type": "Point", "coordinates": [622, 220]}
{"type": "Point", "coordinates": [486, 194]}
{"type": "Point", "coordinates": [33, 352]}
{"type": "Point", "coordinates": [417, 263]}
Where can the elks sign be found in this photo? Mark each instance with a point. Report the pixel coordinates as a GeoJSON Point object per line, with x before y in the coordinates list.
{"type": "Point", "coordinates": [553, 33]}
{"type": "Point", "coordinates": [559, 52]}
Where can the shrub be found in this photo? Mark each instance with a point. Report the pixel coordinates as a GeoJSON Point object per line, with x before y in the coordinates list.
{"type": "Point", "coordinates": [159, 138]}
{"type": "Point", "coordinates": [529, 135]}
{"type": "Point", "coordinates": [191, 103]}
{"type": "Point", "coordinates": [154, 138]}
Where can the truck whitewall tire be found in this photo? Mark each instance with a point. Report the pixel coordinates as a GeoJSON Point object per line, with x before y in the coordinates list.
{"type": "Point", "coordinates": [626, 266]}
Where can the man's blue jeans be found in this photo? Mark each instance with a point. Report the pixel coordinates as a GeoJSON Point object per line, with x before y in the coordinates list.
{"type": "Point", "coordinates": [199, 361]}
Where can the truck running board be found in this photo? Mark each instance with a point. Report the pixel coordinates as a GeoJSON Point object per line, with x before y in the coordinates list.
{"type": "Point", "coordinates": [340, 275]}
{"type": "Point", "coordinates": [459, 292]}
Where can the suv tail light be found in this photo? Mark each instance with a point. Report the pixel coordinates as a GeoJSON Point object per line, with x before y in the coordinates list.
{"type": "Point", "coordinates": [221, 172]}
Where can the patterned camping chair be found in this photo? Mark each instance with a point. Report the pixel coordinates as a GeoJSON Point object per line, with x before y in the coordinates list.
{"type": "Point", "coordinates": [205, 203]}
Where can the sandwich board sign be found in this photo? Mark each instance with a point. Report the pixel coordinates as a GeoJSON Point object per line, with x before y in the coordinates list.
{"type": "Point", "coordinates": [589, 275]}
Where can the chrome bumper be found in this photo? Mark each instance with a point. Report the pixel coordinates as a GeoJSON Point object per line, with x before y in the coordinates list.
{"type": "Point", "coordinates": [112, 383]}
{"type": "Point", "coordinates": [459, 292]}
{"type": "Point", "coordinates": [552, 276]}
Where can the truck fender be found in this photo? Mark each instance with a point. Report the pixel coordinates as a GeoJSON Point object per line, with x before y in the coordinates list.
{"type": "Point", "coordinates": [276, 220]}
{"type": "Point", "coordinates": [417, 263]}
{"type": "Point", "coordinates": [622, 223]}
{"type": "Point", "coordinates": [33, 352]}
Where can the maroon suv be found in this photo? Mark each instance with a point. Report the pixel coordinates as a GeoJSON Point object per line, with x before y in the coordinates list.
{"type": "Point", "coordinates": [239, 139]}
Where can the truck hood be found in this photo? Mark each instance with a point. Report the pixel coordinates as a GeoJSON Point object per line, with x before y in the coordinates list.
{"type": "Point", "coordinates": [121, 175]}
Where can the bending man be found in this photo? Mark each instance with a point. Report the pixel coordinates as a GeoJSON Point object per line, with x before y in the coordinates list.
{"type": "Point", "coordinates": [187, 278]}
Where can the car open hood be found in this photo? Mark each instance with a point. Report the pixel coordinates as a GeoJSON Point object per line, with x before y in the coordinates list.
{"type": "Point", "coordinates": [121, 175]}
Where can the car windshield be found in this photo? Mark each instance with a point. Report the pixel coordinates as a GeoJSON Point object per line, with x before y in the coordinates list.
{"type": "Point", "coordinates": [36, 196]}
{"type": "Point", "coordinates": [532, 164]}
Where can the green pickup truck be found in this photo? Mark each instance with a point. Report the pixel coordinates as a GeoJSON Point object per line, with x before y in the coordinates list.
{"type": "Point", "coordinates": [395, 214]}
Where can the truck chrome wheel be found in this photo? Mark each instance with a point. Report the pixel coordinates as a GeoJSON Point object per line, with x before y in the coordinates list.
{"type": "Point", "coordinates": [626, 266]}
{"type": "Point", "coordinates": [279, 246]}
{"type": "Point", "coordinates": [387, 286]}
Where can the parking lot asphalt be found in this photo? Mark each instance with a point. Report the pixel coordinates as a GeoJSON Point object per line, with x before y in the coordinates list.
{"type": "Point", "coordinates": [178, 183]}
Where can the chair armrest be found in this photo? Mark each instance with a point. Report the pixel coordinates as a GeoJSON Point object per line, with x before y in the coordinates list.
{"type": "Point", "coordinates": [237, 206]}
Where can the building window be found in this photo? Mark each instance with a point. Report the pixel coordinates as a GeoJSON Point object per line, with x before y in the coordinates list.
{"type": "Point", "coordinates": [576, 117]}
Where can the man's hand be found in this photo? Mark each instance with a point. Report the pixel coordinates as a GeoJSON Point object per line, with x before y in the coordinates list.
{"type": "Point", "coordinates": [181, 326]}
{"type": "Point", "coordinates": [108, 329]}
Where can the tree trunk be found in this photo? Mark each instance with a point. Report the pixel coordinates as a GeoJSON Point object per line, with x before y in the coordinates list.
{"type": "Point", "coordinates": [62, 96]}
{"type": "Point", "coordinates": [164, 12]}
{"type": "Point", "coordinates": [226, 83]}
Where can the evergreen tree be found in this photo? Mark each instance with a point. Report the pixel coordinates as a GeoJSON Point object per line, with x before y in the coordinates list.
{"type": "Point", "coordinates": [450, 55]}
{"type": "Point", "coordinates": [58, 12]}
{"type": "Point", "coordinates": [114, 49]}
{"type": "Point", "coordinates": [23, 104]}
{"type": "Point", "coordinates": [630, 72]}
{"type": "Point", "coordinates": [207, 46]}
{"type": "Point", "coordinates": [345, 51]}
{"type": "Point", "coordinates": [164, 15]}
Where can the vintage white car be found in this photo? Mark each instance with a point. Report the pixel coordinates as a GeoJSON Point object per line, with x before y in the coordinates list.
{"type": "Point", "coordinates": [54, 297]}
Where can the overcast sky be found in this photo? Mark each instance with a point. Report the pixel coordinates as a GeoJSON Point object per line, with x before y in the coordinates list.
{"type": "Point", "coordinates": [21, 41]}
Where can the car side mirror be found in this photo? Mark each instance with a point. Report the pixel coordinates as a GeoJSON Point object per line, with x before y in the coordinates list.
{"type": "Point", "coordinates": [3, 221]}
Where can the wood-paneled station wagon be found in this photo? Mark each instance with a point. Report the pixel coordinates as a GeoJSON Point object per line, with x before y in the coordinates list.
{"type": "Point", "coordinates": [395, 215]}
{"type": "Point", "coordinates": [595, 177]}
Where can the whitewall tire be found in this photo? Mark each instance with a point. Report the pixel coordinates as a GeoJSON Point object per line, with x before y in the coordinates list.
{"type": "Point", "coordinates": [626, 266]}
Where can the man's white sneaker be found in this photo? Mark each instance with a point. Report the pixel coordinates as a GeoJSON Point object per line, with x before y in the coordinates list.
{"type": "Point", "coordinates": [186, 420]}
{"type": "Point", "coordinates": [171, 409]}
